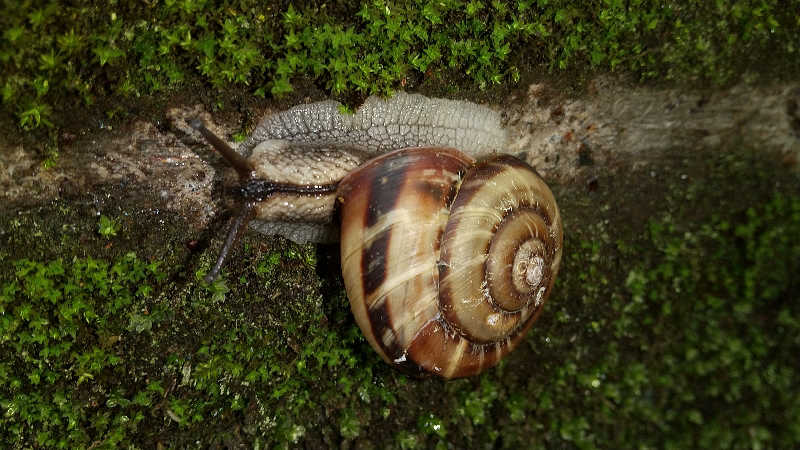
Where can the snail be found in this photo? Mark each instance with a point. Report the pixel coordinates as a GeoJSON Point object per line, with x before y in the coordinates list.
{"type": "Point", "coordinates": [449, 247]}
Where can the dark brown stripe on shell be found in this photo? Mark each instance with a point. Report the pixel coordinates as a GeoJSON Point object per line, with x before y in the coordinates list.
{"type": "Point", "coordinates": [380, 320]}
{"type": "Point", "coordinates": [382, 195]}
{"type": "Point", "coordinates": [384, 190]}
{"type": "Point", "coordinates": [493, 166]}
{"type": "Point", "coordinates": [468, 190]}
{"type": "Point", "coordinates": [373, 262]}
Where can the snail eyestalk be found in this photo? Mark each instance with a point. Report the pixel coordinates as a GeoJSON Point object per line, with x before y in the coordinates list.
{"type": "Point", "coordinates": [237, 161]}
{"type": "Point", "coordinates": [237, 227]}
{"type": "Point", "coordinates": [245, 170]}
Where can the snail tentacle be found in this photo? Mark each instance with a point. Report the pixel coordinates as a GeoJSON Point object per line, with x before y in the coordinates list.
{"type": "Point", "coordinates": [242, 166]}
{"type": "Point", "coordinates": [238, 226]}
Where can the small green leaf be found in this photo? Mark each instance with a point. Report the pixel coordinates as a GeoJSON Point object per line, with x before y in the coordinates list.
{"type": "Point", "coordinates": [107, 227]}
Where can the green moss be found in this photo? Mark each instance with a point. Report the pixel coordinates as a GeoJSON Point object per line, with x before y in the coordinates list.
{"type": "Point", "coordinates": [676, 334]}
{"type": "Point", "coordinates": [723, 371]}
{"type": "Point", "coordinates": [674, 323]}
{"type": "Point", "coordinates": [53, 52]}
{"type": "Point", "coordinates": [95, 357]}
{"type": "Point", "coordinates": [60, 326]}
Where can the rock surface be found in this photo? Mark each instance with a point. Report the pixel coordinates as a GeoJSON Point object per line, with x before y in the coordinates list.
{"type": "Point", "coordinates": [567, 139]}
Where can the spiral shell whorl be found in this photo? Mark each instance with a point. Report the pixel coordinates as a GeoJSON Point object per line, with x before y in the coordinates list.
{"type": "Point", "coordinates": [501, 251]}
{"type": "Point", "coordinates": [417, 243]}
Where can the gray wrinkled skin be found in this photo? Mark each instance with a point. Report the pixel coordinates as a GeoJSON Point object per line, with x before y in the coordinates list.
{"type": "Point", "coordinates": [312, 132]}
{"type": "Point", "coordinates": [404, 120]}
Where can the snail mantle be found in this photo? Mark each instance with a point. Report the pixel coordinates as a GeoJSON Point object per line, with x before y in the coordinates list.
{"type": "Point", "coordinates": [449, 246]}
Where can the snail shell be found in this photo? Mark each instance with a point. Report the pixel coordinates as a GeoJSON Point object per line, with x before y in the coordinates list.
{"type": "Point", "coordinates": [446, 262]}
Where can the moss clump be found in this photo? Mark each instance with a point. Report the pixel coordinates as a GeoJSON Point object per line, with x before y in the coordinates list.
{"type": "Point", "coordinates": [93, 358]}
{"type": "Point", "coordinates": [65, 374]}
{"type": "Point", "coordinates": [678, 324]}
{"type": "Point", "coordinates": [54, 51]}
{"type": "Point", "coordinates": [719, 303]}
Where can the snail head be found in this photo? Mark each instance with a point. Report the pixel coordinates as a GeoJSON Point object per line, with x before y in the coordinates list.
{"type": "Point", "coordinates": [252, 190]}
{"type": "Point", "coordinates": [247, 179]}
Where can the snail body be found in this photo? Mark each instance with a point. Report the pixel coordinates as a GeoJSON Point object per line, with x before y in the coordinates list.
{"type": "Point", "coordinates": [316, 144]}
{"type": "Point", "coordinates": [447, 260]}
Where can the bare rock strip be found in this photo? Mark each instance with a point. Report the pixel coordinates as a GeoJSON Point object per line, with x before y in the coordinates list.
{"type": "Point", "coordinates": [566, 139]}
